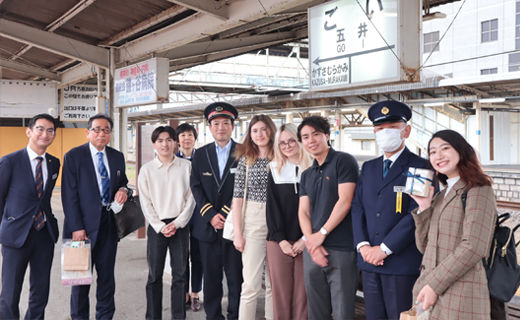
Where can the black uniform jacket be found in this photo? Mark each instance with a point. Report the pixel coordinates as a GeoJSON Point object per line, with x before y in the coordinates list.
{"type": "Point", "coordinates": [212, 194]}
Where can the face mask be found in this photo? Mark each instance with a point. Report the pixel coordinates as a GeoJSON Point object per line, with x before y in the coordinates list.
{"type": "Point", "coordinates": [389, 139]}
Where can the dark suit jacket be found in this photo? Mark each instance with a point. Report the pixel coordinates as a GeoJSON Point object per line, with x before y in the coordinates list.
{"type": "Point", "coordinates": [374, 217]}
{"type": "Point", "coordinates": [19, 201]}
{"type": "Point", "coordinates": [212, 194]}
{"type": "Point", "coordinates": [80, 192]}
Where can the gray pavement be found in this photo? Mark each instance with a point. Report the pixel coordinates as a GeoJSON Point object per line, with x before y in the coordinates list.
{"type": "Point", "coordinates": [131, 275]}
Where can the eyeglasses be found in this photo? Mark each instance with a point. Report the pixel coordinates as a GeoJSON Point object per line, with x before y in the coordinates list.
{"type": "Point", "coordinates": [40, 129]}
{"type": "Point", "coordinates": [290, 143]}
{"type": "Point", "coordinates": [98, 130]}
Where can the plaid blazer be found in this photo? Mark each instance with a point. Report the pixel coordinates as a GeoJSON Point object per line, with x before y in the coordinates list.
{"type": "Point", "coordinates": [454, 242]}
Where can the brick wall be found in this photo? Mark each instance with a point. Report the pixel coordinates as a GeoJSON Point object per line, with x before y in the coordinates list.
{"type": "Point", "coordinates": [506, 184]}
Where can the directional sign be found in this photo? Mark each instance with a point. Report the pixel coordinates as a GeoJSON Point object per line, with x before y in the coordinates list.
{"type": "Point", "coordinates": [361, 42]}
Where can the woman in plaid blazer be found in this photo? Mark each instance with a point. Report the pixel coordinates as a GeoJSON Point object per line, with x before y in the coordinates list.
{"type": "Point", "coordinates": [453, 240]}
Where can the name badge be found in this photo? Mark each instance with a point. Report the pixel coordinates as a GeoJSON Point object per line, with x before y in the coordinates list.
{"type": "Point", "coordinates": [399, 188]}
{"type": "Point", "coordinates": [233, 170]}
{"type": "Point", "coordinates": [54, 176]}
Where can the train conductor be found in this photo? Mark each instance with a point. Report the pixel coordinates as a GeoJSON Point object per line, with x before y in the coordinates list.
{"type": "Point", "coordinates": [212, 181]}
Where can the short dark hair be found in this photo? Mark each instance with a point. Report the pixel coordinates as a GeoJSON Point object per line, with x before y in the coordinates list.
{"type": "Point", "coordinates": [157, 131]}
{"type": "Point", "coordinates": [319, 123]}
{"type": "Point", "coordinates": [100, 116]}
{"type": "Point", "coordinates": [45, 116]}
{"type": "Point", "coordinates": [186, 127]}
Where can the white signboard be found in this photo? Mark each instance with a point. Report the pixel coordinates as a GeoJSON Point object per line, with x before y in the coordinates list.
{"type": "Point", "coordinates": [358, 42]}
{"type": "Point", "coordinates": [25, 99]}
{"type": "Point", "coordinates": [78, 102]}
{"type": "Point", "coordinates": [142, 83]}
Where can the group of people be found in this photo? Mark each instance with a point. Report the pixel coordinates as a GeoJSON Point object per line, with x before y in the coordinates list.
{"type": "Point", "coordinates": [305, 220]}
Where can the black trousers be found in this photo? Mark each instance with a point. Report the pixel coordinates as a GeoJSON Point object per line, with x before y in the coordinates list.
{"type": "Point", "coordinates": [157, 246]}
{"type": "Point", "coordinates": [217, 257]}
{"type": "Point", "coordinates": [196, 266]}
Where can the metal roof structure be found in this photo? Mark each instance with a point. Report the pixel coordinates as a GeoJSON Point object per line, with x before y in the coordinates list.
{"type": "Point", "coordinates": [66, 40]}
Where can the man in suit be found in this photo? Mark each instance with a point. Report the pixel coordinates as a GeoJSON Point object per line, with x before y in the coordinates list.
{"type": "Point", "coordinates": [28, 228]}
{"type": "Point", "coordinates": [93, 185]}
{"type": "Point", "coordinates": [382, 224]}
{"type": "Point", "coordinates": [212, 181]}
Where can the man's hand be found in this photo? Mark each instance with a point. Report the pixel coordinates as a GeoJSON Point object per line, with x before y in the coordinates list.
{"type": "Point", "coordinates": [373, 255]}
{"type": "Point", "coordinates": [169, 230]}
{"type": "Point", "coordinates": [287, 248]}
{"type": "Point", "coordinates": [314, 241]}
{"type": "Point", "coordinates": [218, 221]}
{"type": "Point", "coordinates": [79, 235]}
{"type": "Point", "coordinates": [319, 256]}
{"type": "Point", "coordinates": [121, 196]}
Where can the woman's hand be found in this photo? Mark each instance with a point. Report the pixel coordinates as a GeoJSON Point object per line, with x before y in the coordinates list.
{"type": "Point", "coordinates": [424, 202]}
{"type": "Point", "coordinates": [298, 246]}
{"type": "Point", "coordinates": [287, 248]}
{"type": "Point", "coordinates": [427, 297]}
{"type": "Point", "coordinates": [239, 242]}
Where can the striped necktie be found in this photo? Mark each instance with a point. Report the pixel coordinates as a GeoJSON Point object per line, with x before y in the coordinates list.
{"type": "Point", "coordinates": [386, 168]}
{"type": "Point", "coordinates": [105, 179]}
{"type": "Point", "coordinates": [39, 219]}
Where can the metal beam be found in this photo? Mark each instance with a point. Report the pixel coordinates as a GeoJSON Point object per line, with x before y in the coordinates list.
{"type": "Point", "coordinates": [13, 65]}
{"type": "Point", "coordinates": [75, 10]}
{"type": "Point", "coordinates": [54, 43]}
{"type": "Point", "coordinates": [200, 26]}
{"type": "Point", "coordinates": [207, 47]}
{"type": "Point", "coordinates": [77, 74]}
{"type": "Point", "coordinates": [212, 7]}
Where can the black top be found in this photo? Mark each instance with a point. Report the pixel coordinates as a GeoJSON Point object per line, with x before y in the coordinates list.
{"type": "Point", "coordinates": [282, 203]}
{"type": "Point", "coordinates": [320, 184]}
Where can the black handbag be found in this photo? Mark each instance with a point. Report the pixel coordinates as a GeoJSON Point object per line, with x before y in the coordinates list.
{"type": "Point", "coordinates": [130, 218]}
{"type": "Point", "coordinates": [502, 269]}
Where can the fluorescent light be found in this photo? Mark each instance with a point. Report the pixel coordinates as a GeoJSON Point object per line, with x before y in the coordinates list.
{"type": "Point", "coordinates": [315, 111]}
{"type": "Point", "coordinates": [434, 104]}
{"type": "Point", "coordinates": [348, 109]}
{"type": "Point", "coordinates": [287, 112]}
{"type": "Point", "coordinates": [492, 100]}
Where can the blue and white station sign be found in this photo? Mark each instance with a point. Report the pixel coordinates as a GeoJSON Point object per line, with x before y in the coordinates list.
{"type": "Point", "coordinates": [364, 42]}
{"type": "Point", "coordinates": [142, 83]}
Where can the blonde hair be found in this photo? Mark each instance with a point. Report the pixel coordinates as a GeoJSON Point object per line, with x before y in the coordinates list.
{"type": "Point", "coordinates": [304, 159]}
{"type": "Point", "coordinates": [248, 148]}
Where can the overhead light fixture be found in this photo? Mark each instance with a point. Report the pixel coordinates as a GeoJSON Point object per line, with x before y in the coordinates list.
{"type": "Point", "coordinates": [492, 100]}
{"type": "Point", "coordinates": [287, 112]}
{"type": "Point", "coordinates": [434, 104]}
{"type": "Point", "coordinates": [348, 109]}
{"type": "Point", "coordinates": [314, 111]}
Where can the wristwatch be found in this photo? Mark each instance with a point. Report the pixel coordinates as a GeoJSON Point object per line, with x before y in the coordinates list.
{"type": "Point", "coordinates": [324, 231]}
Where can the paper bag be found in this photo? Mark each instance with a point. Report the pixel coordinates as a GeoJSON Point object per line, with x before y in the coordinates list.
{"type": "Point", "coordinates": [418, 181]}
{"type": "Point", "coordinates": [76, 266]}
{"type": "Point", "coordinates": [76, 259]}
{"type": "Point", "coordinates": [408, 315]}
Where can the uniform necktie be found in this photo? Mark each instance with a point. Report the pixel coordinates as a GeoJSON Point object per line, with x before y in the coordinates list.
{"type": "Point", "coordinates": [105, 180]}
{"type": "Point", "coordinates": [387, 164]}
{"type": "Point", "coordinates": [39, 219]}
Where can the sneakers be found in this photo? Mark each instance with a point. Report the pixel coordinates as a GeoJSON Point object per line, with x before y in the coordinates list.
{"type": "Point", "coordinates": [195, 304]}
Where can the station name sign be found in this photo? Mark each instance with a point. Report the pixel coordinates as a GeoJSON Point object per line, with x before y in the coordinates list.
{"type": "Point", "coordinates": [142, 83]}
{"type": "Point", "coordinates": [363, 42]}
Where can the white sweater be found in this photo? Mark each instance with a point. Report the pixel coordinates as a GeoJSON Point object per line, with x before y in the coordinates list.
{"type": "Point", "coordinates": [164, 192]}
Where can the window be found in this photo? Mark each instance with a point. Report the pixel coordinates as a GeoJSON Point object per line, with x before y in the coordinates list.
{"type": "Point", "coordinates": [517, 26]}
{"type": "Point", "coordinates": [488, 71]}
{"type": "Point", "coordinates": [489, 31]}
{"type": "Point", "coordinates": [514, 62]}
{"type": "Point", "coordinates": [430, 41]}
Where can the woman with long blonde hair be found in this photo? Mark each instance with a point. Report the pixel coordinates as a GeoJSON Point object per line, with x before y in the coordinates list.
{"type": "Point", "coordinates": [284, 236]}
{"type": "Point", "coordinates": [249, 220]}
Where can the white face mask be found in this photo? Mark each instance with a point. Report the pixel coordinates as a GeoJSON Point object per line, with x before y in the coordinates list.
{"type": "Point", "coordinates": [389, 139]}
